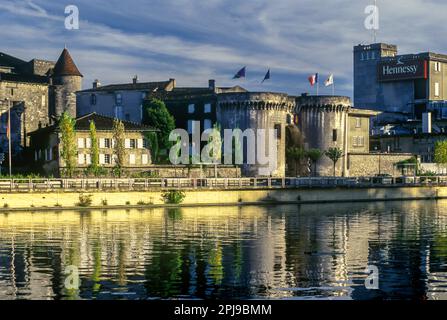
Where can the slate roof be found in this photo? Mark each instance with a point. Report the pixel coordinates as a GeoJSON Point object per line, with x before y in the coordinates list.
{"type": "Point", "coordinates": [65, 65]}
{"type": "Point", "coordinates": [139, 86]}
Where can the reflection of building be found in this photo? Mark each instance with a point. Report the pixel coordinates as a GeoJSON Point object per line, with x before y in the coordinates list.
{"type": "Point", "coordinates": [39, 91]}
{"type": "Point", "coordinates": [46, 145]}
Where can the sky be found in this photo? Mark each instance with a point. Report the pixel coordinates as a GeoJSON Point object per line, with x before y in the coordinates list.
{"type": "Point", "coordinates": [196, 40]}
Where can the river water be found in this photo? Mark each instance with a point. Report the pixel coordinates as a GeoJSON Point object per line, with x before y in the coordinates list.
{"type": "Point", "coordinates": [279, 252]}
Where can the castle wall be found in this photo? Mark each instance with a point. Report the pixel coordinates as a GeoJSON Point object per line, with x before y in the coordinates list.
{"type": "Point", "coordinates": [65, 88]}
{"type": "Point", "coordinates": [257, 111]}
{"type": "Point", "coordinates": [323, 123]}
{"type": "Point", "coordinates": [30, 110]}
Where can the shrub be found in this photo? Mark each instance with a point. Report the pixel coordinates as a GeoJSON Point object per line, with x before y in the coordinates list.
{"type": "Point", "coordinates": [6, 205]}
{"type": "Point", "coordinates": [104, 202]}
{"type": "Point", "coordinates": [85, 200]}
{"type": "Point", "coordinates": [173, 196]}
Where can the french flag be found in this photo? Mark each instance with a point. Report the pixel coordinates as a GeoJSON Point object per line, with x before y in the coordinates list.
{"type": "Point", "coordinates": [313, 79]}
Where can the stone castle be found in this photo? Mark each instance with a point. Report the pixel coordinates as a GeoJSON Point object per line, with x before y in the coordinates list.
{"type": "Point", "coordinates": [38, 91]}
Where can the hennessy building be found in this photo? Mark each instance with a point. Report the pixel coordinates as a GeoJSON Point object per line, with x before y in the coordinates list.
{"type": "Point", "coordinates": [401, 86]}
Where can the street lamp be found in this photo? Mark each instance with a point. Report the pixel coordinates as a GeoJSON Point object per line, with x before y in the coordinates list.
{"type": "Point", "coordinates": [8, 133]}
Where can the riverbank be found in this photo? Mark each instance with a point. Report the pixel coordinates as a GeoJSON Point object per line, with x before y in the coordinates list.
{"type": "Point", "coordinates": [58, 200]}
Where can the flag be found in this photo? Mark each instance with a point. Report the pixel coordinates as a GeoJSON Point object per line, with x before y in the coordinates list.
{"type": "Point", "coordinates": [267, 76]}
{"type": "Point", "coordinates": [240, 74]}
{"type": "Point", "coordinates": [329, 81]}
{"type": "Point", "coordinates": [313, 79]}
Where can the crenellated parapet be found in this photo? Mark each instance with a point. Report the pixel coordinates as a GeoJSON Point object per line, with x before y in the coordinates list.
{"type": "Point", "coordinates": [323, 104]}
{"type": "Point", "coordinates": [256, 101]}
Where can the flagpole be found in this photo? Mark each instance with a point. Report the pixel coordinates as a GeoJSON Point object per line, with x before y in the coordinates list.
{"type": "Point", "coordinates": [9, 137]}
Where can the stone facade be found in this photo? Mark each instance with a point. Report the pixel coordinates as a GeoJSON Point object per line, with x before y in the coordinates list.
{"type": "Point", "coordinates": [39, 91]}
{"type": "Point", "coordinates": [46, 145]}
{"type": "Point", "coordinates": [371, 164]}
{"type": "Point", "coordinates": [258, 110]}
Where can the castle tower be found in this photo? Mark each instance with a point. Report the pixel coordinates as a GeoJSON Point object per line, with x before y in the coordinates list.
{"type": "Point", "coordinates": [66, 80]}
{"type": "Point", "coordinates": [323, 123]}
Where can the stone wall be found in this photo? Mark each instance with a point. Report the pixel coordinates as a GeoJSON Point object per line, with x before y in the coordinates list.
{"type": "Point", "coordinates": [372, 164]}
{"type": "Point", "coordinates": [29, 111]}
{"type": "Point", "coordinates": [195, 171]}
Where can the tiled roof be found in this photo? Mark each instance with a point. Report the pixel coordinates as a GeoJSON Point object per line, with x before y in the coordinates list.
{"type": "Point", "coordinates": [102, 123]}
{"type": "Point", "coordinates": [139, 86]}
{"type": "Point", "coordinates": [65, 66]}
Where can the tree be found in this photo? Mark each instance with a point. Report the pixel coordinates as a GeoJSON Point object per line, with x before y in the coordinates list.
{"type": "Point", "coordinates": [119, 147]}
{"type": "Point", "coordinates": [441, 153]}
{"type": "Point", "coordinates": [68, 139]}
{"type": "Point", "coordinates": [152, 139]}
{"type": "Point", "coordinates": [334, 154]}
{"type": "Point", "coordinates": [94, 150]}
{"type": "Point", "coordinates": [314, 155]}
{"type": "Point", "coordinates": [156, 115]}
{"type": "Point", "coordinates": [296, 154]}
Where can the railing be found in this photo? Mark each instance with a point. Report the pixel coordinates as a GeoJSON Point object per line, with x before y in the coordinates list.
{"type": "Point", "coordinates": [27, 185]}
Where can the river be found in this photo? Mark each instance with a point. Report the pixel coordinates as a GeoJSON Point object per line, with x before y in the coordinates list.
{"type": "Point", "coordinates": [264, 252]}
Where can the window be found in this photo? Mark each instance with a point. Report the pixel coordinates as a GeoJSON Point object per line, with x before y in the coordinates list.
{"type": "Point", "coordinates": [191, 108]}
{"type": "Point", "coordinates": [334, 135]}
{"type": "Point", "coordinates": [93, 99]}
{"type": "Point", "coordinates": [132, 143]}
{"type": "Point", "coordinates": [131, 158]}
{"type": "Point", "coordinates": [144, 159]}
{"type": "Point", "coordinates": [118, 99]}
{"type": "Point", "coordinates": [88, 142]}
{"type": "Point", "coordinates": [207, 124]}
{"type": "Point", "coordinates": [438, 66]}
{"type": "Point", "coordinates": [278, 130]}
{"type": "Point", "coordinates": [81, 143]}
{"type": "Point", "coordinates": [358, 122]}
{"type": "Point", "coordinates": [12, 91]}
{"type": "Point", "coordinates": [81, 158]}
{"type": "Point", "coordinates": [436, 89]}
{"type": "Point", "coordinates": [118, 112]}
{"type": "Point", "coordinates": [107, 143]}
{"type": "Point", "coordinates": [362, 56]}
{"type": "Point", "coordinates": [190, 126]}
{"type": "Point", "coordinates": [146, 144]}
{"type": "Point", "coordinates": [107, 159]}
{"type": "Point", "coordinates": [358, 141]}
{"type": "Point", "coordinates": [373, 55]}
{"type": "Point", "coordinates": [44, 100]}
{"type": "Point", "coordinates": [143, 95]}
{"type": "Point", "coordinates": [207, 108]}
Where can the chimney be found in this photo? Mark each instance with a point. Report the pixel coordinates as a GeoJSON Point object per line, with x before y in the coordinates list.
{"type": "Point", "coordinates": [426, 122]}
{"type": "Point", "coordinates": [96, 84]}
{"type": "Point", "coordinates": [135, 79]}
{"type": "Point", "coordinates": [212, 84]}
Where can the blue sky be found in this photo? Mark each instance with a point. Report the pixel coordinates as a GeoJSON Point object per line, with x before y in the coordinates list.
{"type": "Point", "coordinates": [196, 40]}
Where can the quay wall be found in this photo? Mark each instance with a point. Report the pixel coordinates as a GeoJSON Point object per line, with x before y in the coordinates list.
{"type": "Point", "coordinates": [69, 200]}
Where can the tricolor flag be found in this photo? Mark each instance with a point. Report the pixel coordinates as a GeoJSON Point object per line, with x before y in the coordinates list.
{"type": "Point", "coordinates": [329, 81]}
{"type": "Point", "coordinates": [240, 74]}
{"type": "Point", "coordinates": [313, 79]}
{"type": "Point", "coordinates": [267, 76]}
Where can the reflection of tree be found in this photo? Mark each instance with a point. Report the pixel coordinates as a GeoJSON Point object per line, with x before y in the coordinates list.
{"type": "Point", "coordinates": [215, 262]}
{"type": "Point", "coordinates": [96, 276]}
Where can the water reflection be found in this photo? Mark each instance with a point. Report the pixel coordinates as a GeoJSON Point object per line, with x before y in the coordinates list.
{"type": "Point", "coordinates": [312, 251]}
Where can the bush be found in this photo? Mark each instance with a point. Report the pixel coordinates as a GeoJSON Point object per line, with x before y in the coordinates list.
{"type": "Point", "coordinates": [173, 196]}
{"type": "Point", "coordinates": [104, 202]}
{"type": "Point", "coordinates": [85, 200]}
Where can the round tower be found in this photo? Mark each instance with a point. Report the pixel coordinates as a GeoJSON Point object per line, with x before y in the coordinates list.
{"type": "Point", "coordinates": [66, 80]}
{"type": "Point", "coordinates": [323, 123]}
{"type": "Point", "coordinates": [258, 110]}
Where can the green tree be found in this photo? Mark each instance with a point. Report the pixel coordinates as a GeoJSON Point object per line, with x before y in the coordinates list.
{"type": "Point", "coordinates": [334, 154]}
{"type": "Point", "coordinates": [441, 153]}
{"type": "Point", "coordinates": [68, 138]}
{"type": "Point", "coordinates": [119, 147]}
{"type": "Point", "coordinates": [156, 115]}
{"type": "Point", "coordinates": [314, 155]}
{"type": "Point", "coordinates": [152, 139]}
{"type": "Point", "coordinates": [94, 150]}
{"type": "Point", "coordinates": [297, 154]}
